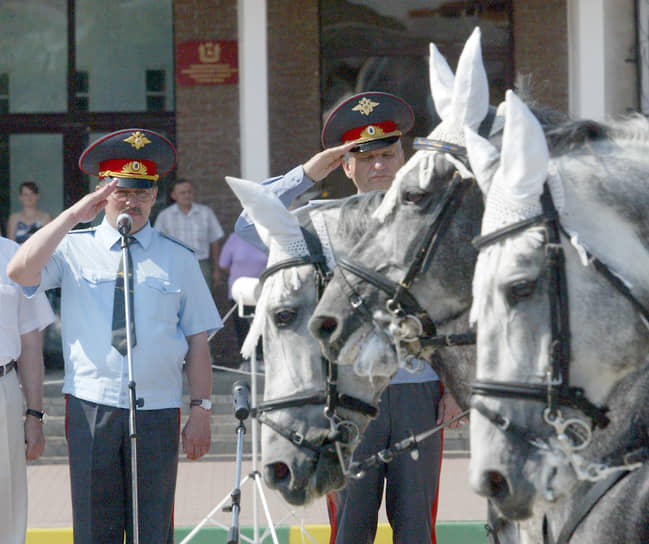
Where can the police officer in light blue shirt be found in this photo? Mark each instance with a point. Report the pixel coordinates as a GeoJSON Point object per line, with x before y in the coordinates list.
{"type": "Point", "coordinates": [173, 314]}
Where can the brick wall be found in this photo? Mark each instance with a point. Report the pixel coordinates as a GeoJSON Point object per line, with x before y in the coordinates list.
{"type": "Point", "coordinates": [293, 82]}
{"type": "Point", "coordinates": [207, 134]}
{"type": "Point", "coordinates": [540, 34]}
{"type": "Point", "coordinates": [207, 117]}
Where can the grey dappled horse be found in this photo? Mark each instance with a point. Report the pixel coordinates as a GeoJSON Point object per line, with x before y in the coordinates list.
{"type": "Point", "coordinates": [305, 453]}
{"type": "Point", "coordinates": [305, 448]}
{"type": "Point", "coordinates": [561, 298]}
{"type": "Point", "coordinates": [446, 297]}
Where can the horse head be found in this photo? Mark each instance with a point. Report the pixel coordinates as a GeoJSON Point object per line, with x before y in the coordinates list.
{"type": "Point", "coordinates": [311, 419]}
{"type": "Point", "coordinates": [558, 301]}
{"type": "Point", "coordinates": [410, 276]}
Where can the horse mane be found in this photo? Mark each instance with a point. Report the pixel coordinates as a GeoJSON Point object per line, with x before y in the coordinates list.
{"type": "Point", "coordinates": [356, 214]}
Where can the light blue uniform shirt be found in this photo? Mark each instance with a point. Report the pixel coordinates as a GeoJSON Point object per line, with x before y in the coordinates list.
{"type": "Point", "coordinates": [171, 301]}
{"type": "Point", "coordinates": [287, 188]}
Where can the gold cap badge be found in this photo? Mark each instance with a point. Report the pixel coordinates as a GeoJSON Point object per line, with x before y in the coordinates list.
{"type": "Point", "coordinates": [365, 106]}
{"type": "Point", "coordinates": [137, 140]}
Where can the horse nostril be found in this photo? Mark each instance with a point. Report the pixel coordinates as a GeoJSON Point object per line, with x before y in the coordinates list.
{"type": "Point", "coordinates": [327, 327]}
{"type": "Point", "coordinates": [497, 484]}
{"type": "Point", "coordinates": [280, 471]}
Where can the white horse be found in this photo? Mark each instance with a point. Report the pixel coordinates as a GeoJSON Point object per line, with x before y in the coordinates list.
{"type": "Point", "coordinates": [294, 366]}
{"type": "Point", "coordinates": [560, 299]}
{"type": "Point", "coordinates": [312, 418]}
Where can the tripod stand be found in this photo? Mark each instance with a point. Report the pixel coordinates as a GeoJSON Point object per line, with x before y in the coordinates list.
{"type": "Point", "coordinates": [241, 413]}
{"type": "Point", "coordinates": [255, 477]}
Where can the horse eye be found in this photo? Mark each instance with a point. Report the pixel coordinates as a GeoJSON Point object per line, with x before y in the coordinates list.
{"type": "Point", "coordinates": [414, 197]}
{"type": "Point", "coordinates": [520, 290]}
{"type": "Point", "coordinates": [283, 318]}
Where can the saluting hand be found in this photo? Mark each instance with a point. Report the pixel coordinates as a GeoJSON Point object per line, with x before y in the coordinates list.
{"type": "Point", "coordinates": [86, 209]}
{"type": "Point", "coordinates": [322, 164]}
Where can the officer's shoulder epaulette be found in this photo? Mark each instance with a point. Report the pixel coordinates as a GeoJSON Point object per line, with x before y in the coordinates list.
{"type": "Point", "coordinates": [169, 237]}
{"type": "Point", "coordinates": [90, 230]}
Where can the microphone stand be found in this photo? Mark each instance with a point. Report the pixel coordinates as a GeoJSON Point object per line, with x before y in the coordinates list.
{"type": "Point", "coordinates": [240, 391]}
{"type": "Point", "coordinates": [133, 403]}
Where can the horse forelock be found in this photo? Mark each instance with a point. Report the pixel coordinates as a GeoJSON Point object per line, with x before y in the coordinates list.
{"type": "Point", "coordinates": [356, 215]}
{"type": "Point", "coordinates": [420, 171]}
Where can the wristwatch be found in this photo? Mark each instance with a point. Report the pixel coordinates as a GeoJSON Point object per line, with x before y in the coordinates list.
{"type": "Point", "coordinates": [205, 404]}
{"type": "Point", "coordinates": [42, 416]}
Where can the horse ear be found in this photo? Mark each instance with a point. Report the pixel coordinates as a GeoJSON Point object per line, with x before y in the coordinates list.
{"type": "Point", "coordinates": [471, 88]}
{"type": "Point", "coordinates": [274, 223]}
{"type": "Point", "coordinates": [524, 160]}
{"type": "Point", "coordinates": [483, 157]}
{"type": "Point", "coordinates": [525, 156]}
{"type": "Point", "coordinates": [441, 82]}
{"type": "Point", "coordinates": [461, 99]}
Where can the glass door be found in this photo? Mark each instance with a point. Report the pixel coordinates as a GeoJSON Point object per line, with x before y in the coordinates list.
{"type": "Point", "coordinates": [70, 70]}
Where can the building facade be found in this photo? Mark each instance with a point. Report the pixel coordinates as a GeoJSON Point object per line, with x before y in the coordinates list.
{"type": "Point", "coordinates": [241, 86]}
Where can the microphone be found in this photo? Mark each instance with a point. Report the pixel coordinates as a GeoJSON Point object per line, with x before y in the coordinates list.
{"type": "Point", "coordinates": [240, 391]}
{"type": "Point", "coordinates": [124, 223]}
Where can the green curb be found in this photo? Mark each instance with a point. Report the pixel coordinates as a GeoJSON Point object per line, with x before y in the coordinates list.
{"type": "Point", "coordinates": [217, 535]}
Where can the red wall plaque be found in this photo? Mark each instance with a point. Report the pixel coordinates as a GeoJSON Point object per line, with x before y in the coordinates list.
{"type": "Point", "coordinates": [207, 63]}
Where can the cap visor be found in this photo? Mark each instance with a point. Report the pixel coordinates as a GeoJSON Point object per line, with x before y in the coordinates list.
{"type": "Point", "coordinates": [134, 183]}
{"type": "Point", "coordinates": [374, 144]}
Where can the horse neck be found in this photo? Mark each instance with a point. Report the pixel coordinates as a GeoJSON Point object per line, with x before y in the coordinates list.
{"type": "Point", "coordinates": [605, 208]}
{"type": "Point", "coordinates": [628, 405]}
{"type": "Point", "coordinates": [456, 365]}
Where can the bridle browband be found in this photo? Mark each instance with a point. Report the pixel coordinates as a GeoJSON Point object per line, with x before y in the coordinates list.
{"type": "Point", "coordinates": [330, 398]}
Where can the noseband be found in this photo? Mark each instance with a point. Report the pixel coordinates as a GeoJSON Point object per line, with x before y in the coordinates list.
{"type": "Point", "coordinates": [342, 431]}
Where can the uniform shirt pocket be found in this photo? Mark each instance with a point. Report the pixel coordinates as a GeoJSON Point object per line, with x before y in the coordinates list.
{"type": "Point", "coordinates": [162, 299]}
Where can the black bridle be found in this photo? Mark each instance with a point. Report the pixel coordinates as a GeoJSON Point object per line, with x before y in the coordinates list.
{"type": "Point", "coordinates": [330, 397]}
{"type": "Point", "coordinates": [401, 304]}
{"type": "Point", "coordinates": [557, 391]}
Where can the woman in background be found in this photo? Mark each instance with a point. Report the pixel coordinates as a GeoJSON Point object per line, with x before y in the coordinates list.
{"type": "Point", "coordinates": [26, 222]}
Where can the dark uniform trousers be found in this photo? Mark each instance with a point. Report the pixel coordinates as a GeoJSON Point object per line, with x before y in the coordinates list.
{"type": "Point", "coordinates": [410, 485]}
{"type": "Point", "coordinates": [100, 472]}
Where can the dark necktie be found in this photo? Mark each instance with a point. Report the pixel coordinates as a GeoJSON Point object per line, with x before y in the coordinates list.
{"type": "Point", "coordinates": [119, 315]}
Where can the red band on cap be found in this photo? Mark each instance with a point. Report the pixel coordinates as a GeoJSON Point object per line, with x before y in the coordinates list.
{"type": "Point", "coordinates": [128, 168]}
{"type": "Point", "coordinates": [370, 132]}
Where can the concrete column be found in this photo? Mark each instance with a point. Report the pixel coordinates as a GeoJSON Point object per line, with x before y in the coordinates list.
{"type": "Point", "coordinates": [253, 90]}
{"type": "Point", "coordinates": [587, 97]}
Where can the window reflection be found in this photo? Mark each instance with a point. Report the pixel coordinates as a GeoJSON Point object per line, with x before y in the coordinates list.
{"type": "Point", "coordinates": [33, 56]}
{"type": "Point", "coordinates": [126, 50]}
{"type": "Point", "coordinates": [382, 45]}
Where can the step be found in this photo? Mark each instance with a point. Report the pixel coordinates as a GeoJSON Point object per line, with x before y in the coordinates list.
{"type": "Point", "coordinates": [223, 422]}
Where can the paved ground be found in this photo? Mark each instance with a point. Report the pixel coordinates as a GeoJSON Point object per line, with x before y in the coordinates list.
{"type": "Point", "coordinates": [203, 485]}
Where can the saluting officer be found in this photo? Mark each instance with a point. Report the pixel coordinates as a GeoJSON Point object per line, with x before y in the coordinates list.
{"type": "Point", "coordinates": [363, 136]}
{"type": "Point", "coordinates": [173, 313]}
